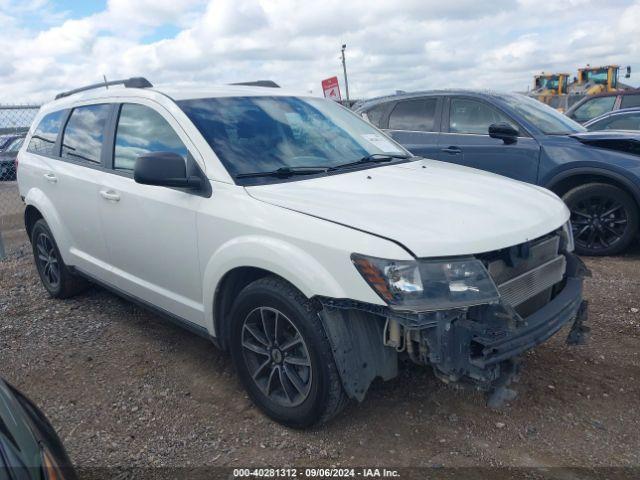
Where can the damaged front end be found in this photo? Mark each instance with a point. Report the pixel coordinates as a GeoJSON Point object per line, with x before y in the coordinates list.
{"type": "Point", "coordinates": [539, 291]}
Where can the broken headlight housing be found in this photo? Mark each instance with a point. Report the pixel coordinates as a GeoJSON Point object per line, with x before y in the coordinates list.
{"type": "Point", "coordinates": [428, 285]}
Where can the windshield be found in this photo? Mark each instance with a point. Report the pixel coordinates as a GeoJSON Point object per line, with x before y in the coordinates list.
{"type": "Point", "coordinates": [263, 134]}
{"type": "Point", "coordinates": [548, 120]}
{"type": "Point", "coordinates": [550, 83]}
{"type": "Point", "coordinates": [597, 76]}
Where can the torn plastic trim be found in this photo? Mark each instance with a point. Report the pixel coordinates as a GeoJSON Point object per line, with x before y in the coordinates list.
{"type": "Point", "coordinates": [360, 355]}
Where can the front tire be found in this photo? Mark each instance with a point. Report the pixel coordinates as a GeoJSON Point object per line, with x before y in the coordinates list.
{"type": "Point", "coordinates": [282, 354]}
{"type": "Point", "coordinates": [604, 218]}
{"type": "Point", "coordinates": [56, 277]}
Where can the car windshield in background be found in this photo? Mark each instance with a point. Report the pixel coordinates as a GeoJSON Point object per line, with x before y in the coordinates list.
{"type": "Point", "coordinates": [286, 134]}
{"type": "Point", "coordinates": [543, 117]}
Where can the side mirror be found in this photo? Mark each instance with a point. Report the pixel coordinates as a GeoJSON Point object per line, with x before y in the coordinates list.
{"type": "Point", "coordinates": [504, 132]}
{"type": "Point", "coordinates": [166, 169]}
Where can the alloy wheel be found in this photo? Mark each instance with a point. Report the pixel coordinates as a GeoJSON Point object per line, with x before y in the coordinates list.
{"type": "Point", "coordinates": [276, 356]}
{"type": "Point", "coordinates": [598, 222]}
{"type": "Point", "coordinates": [48, 260]}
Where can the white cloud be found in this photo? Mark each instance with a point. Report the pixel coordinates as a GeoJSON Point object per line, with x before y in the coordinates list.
{"type": "Point", "coordinates": [408, 44]}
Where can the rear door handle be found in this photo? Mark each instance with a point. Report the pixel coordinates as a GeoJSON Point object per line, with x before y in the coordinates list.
{"type": "Point", "coordinates": [110, 195]}
{"type": "Point", "coordinates": [452, 150]}
{"type": "Point", "coordinates": [51, 178]}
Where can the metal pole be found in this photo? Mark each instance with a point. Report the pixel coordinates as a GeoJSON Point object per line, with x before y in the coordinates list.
{"type": "Point", "coordinates": [344, 67]}
{"type": "Point", "coordinates": [3, 253]}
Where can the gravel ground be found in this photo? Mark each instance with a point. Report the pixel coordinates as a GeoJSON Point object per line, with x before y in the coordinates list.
{"type": "Point", "coordinates": [124, 387]}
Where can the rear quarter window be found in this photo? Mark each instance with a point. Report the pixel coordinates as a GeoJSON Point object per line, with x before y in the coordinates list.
{"type": "Point", "coordinates": [44, 138]}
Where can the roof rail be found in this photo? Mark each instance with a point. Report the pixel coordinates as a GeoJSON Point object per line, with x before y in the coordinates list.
{"type": "Point", "coordinates": [258, 83]}
{"type": "Point", "coordinates": [133, 82]}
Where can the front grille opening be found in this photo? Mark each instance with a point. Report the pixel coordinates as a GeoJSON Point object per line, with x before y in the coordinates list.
{"type": "Point", "coordinates": [526, 274]}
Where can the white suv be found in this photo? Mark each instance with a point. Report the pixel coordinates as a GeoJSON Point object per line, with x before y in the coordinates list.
{"type": "Point", "coordinates": [297, 236]}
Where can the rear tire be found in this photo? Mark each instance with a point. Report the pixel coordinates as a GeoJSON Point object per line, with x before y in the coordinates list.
{"type": "Point", "coordinates": [604, 218]}
{"type": "Point", "coordinates": [290, 375]}
{"type": "Point", "coordinates": [56, 277]}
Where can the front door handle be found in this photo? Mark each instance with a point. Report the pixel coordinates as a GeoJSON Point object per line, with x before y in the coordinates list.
{"type": "Point", "coordinates": [452, 150]}
{"type": "Point", "coordinates": [110, 195]}
{"type": "Point", "coordinates": [51, 178]}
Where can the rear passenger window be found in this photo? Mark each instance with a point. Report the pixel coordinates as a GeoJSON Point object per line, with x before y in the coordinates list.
{"type": "Point", "coordinates": [83, 135]}
{"type": "Point", "coordinates": [143, 130]}
{"type": "Point", "coordinates": [46, 134]}
{"type": "Point", "coordinates": [630, 101]}
{"type": "Point", "coordinates": [417, 115]}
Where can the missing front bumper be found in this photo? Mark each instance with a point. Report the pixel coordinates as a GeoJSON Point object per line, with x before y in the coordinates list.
{"type": "Point", "coordinates": [477, 346]}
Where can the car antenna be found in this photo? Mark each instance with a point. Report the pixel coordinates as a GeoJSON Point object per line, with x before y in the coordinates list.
{"type": "Point", "coordinates": [106, 84]}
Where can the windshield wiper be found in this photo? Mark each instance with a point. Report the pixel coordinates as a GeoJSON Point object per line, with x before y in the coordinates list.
{"type": "Point", "coordinates": [284, 172]}
{"type": "Point", "coordinates": [372, 158]}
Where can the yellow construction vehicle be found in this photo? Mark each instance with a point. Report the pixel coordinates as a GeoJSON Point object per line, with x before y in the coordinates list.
{"type": "Point", "coordinates": [547, 84]}
{"type": "Point", "coordinates": [550, 88]}
{"type": "Point", "coordinates": [594, 80]}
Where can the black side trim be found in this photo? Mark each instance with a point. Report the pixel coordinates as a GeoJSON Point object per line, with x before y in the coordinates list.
{"type": "Point", "coordinates": [175, 319]}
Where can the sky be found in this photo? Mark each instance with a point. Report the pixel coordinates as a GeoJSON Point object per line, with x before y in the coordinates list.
{"type": "Point", "coordinates": [49, 46]}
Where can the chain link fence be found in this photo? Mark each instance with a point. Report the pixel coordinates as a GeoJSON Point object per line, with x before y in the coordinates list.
{"type": "Point", "coordinates": [15, 121]}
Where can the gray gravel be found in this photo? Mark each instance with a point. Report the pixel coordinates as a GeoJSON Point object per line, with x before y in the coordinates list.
{"type": "Point", "coordinates": [123, 387]}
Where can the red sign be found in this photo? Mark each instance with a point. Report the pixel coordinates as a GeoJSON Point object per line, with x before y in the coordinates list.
{"type": "Point", "coordinates": [331, 88]}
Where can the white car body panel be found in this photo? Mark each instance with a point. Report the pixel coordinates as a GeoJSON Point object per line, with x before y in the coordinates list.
{"type": "Point", "coordinates": [435, 209]}
{"type": "Point", "coordinates": [171, 248]}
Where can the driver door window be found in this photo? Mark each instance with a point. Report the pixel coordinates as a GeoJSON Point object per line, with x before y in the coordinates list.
{"type": "Point", "coordinates": [472, 117]}
{"type": "Point", "coordinates": [594, 108]}
{"type": "Point", "coordinates": [143, 130]}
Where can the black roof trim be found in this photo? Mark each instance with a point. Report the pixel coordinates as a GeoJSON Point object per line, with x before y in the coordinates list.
{"type": "Point", "coordinates": [258, 83]}
{"type": "Point", "coordinates": [133, 82]}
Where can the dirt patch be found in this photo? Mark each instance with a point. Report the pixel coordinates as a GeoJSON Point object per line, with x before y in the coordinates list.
{"type": "Point", "coordinates": [123, 387]}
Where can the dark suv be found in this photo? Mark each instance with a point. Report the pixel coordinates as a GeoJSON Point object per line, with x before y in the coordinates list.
{"type": "Point", "coordinates": [595, 105]}
{"type": "Point", "coordinates": [597, 174]}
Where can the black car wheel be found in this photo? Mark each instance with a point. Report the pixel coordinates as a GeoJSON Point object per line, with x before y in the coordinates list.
{"type": "Point", "coordinates": [56, 277]}
{"type": "Point", "coordinates": [283, 356]}
{"type": "Point", "coordinates": [604, 218]}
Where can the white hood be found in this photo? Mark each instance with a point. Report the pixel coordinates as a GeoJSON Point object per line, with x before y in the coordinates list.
{"type": "Point", "coordinates": [432, 208]}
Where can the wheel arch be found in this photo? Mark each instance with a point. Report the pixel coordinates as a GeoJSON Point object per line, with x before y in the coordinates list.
{"type": "Point", "coordinates": [241, 261]}
{"type": "Point", "coordinates": [226, 291]}
{"type": "Point", "coordinates": [562, 182]}
{"type": "Point", "coordinates": [31, 216]}
{"type": "Point", "coordinates": [39, 206]}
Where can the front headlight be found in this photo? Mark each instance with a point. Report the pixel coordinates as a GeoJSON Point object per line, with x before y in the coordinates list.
{"type": "Point", "coordinates": [567, 233]}
{"type": "Point", "coordinates": [428, 285]}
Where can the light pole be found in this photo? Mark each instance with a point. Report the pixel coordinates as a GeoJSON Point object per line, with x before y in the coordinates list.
{"type": "Point", "coordinates": [344, 68]}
